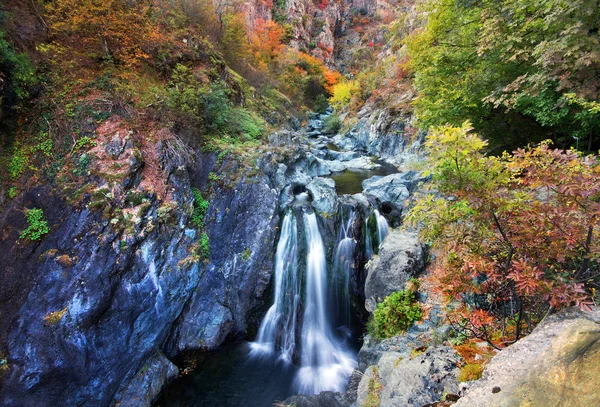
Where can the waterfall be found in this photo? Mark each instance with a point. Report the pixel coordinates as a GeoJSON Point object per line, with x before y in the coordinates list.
{"type": "Point", "coordinates": [368, 240]}
{"type": "Point", "coordinates": [325, 364]}
{"type": "Point", "coordinates": [382, 231]}
{"type": "Point", "coordinates": [343, 264]}
{"type": "Point", "coordinates": [278, 329]}
{"type": "Point", "coordinates": [382, 227]}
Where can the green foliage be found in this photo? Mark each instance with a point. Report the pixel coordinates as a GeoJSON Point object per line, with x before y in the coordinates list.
{"type": "Point", "coordinates": [210, 107]}
{"type": "Point", "coordinates": [83, 143]}
{"type": "Point", "coordinates": [186, 94]}
{"type": "Point", "coordinates": [20, 71]}
{"type": "Point", "coordinates": [333, 124]}
{"type": "Point", "coordinates": [508, 66]}
{"type": "Point", "coordinates": [200, 208]}
{"type": "Point", "coordinates": [395, 314]}
{"type": "Point", "coordinates": [18, 162]}
{"type": "Point", "coordinates": [320, 103]}
{"type": "Point", "coordinates": [36, 225]}
{"type": "Point", "coordinates": [204, 247]}
{"type": "Point", "coordinates": [12, 192]}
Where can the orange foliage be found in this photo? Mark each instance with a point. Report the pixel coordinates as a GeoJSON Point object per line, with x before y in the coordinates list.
{"type": "Point", "coordinates": [118, 29]}
{"type": "Point", "coordinates": [266, 41]}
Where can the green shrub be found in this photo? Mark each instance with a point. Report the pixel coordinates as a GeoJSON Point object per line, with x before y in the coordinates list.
{"type": "Point", "coordinates": [395, 314]}
{"type": "Point", "coordinates": [320, 103]}
{"type": "Point", "coordinates": [200, 208]}
{"type": "Point", "coordinates": [204, 248]}
{"type": "Point", "coordinates": [20, 71]}
{"type": "Point", "coordinates": [333, 124]}
{"type": "Point", "coordinates": [18, 163]}
{"type": "Point", "coordinates": [12, 192]}
{"type": "Point", "coordinates": [37, 226]}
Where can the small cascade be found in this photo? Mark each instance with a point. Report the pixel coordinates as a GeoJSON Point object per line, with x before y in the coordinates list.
{"type": "Point", "coordinates": [368, 240]}
{"type": "Point", "coordinates": [278, 329]}
{"type": "Point", "coordinates": [382, 227]}
{"type": "Point", "coordinates": [343, 264]}
{"type": "Point", "coordinates": [375, 223]}
{"type": "Point", "coordinates": [325, 363]}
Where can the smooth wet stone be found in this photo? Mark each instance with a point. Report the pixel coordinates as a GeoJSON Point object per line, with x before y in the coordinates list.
{"type": "Point", "coordinates": [400, 257]}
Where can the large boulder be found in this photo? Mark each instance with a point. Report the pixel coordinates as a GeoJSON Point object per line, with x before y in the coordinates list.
{"type": "Point", "coordinates": [391, 192]}
{"type": "Point", "coordinates": [400, 379]}
{"type": "Point", "coordinates": [147, 383]}
{"type": "Point", "coordinates": [324, 198]}
{"type": "Point", "coordinates": [556, 365]}
{"type": "Point", "coordinates": [400, 257]}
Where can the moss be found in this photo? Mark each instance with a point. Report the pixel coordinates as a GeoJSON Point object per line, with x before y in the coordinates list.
{"type": "Point", "coordinates": [64, 260]}
{"type": "Point", "coordinates": [469, 372]}
{"type": "Point", "coordinates": [54, 318]}
{"type": "Point", "coordinates": [417, 351]}
{"type": "Point", "coordinates": [373, 398]}
{"type": "Point", "coordinates": [247, 254]}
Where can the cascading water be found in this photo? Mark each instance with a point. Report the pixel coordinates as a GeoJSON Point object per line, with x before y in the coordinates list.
{"type": "Point", "coordinates": [343, 264]}
{"type": "Point", "coordinates": [382, 227]}
{"type": "Point", "coordinates": [278, 329]}
{"type": "Point", "coordinates": [325, 362]}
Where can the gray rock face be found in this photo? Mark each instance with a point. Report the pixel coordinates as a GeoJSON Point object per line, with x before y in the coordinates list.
{"type": "Point", "coordinates": [391, 192]}
{"type": "Point", "coordinates": [412, 382]}
{"type": "Point", "coordinates": [145, 386]}
{"type": "Point", "coordinates": [242, 226]}
{"type": "Point", "coordinates": [381, 132]}
{"type": "Point", "coordinates": [400, 258]}
{"type": "Point", "coordinates": [94, 306]}
{"type": "Point", "coordinates": [556, 365]}
{"type": "Point", "coordinates": [324, 197]}
{"type": "Point", "coordinates": [324, 399]}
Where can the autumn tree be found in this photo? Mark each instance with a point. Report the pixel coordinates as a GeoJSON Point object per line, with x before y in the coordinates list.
{"type": "Point", "coordinates": [120, 30]}
{"type": "Point", "coordinates": [514, 237]}
{"type": "Point", "coordinates": [266, 43]}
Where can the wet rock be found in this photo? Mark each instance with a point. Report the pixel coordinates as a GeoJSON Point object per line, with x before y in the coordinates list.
{"type": "Point", "coordinates": [412, 381]}
{"type": "Point", "coordinates": [81, 330]}
{"type": "Point", "coordinates": [389, 193]}
{"type": "Point", "coordinates": [342, 155]}
{"type": "Point", "coordinates": [382, 133]}
{"type": "Point", "coordinates": [556, 365]}
{"type": "Point", "coordinates": [242, 227]}
{"type": "Point", "coordinates": [324, 399]}
{"type": "Point", "coordinates": [401, 256]}
{"type": "Point", "coordinates": [145, 386]}
{"type": "Point", "coordinates": [324, 197]}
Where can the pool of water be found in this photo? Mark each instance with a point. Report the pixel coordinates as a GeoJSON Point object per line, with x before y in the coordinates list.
{"type": "Point", "coordinates": [350, 181]}
{"type": "Point", "coordinates": [229, 379]}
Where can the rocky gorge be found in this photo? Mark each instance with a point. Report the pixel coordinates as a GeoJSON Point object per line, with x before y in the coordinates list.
{"type": "Point", "coordinates": [180, 228]}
